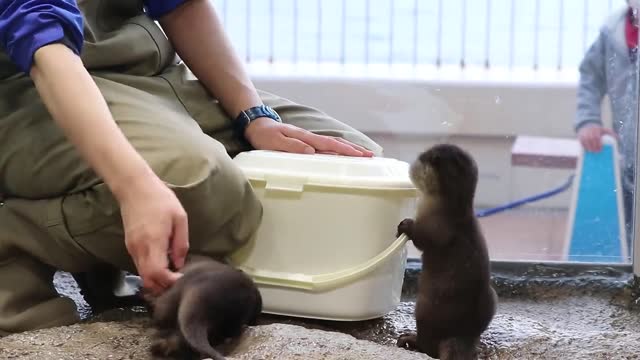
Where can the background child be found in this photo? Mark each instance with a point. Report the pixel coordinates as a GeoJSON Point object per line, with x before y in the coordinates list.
{"type": "Point", "coordinates": [610, 68]}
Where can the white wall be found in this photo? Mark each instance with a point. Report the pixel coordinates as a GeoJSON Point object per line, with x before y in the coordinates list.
{"type": "Point", "coordinates": [407, 116]}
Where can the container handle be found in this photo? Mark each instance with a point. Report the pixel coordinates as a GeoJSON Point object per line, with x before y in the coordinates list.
{"type": "Point", "coordinates": [285, 183]}
{"type": "Point", "coordinates": [323, 282]}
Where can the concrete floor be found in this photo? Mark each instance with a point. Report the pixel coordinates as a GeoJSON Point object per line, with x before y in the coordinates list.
{"type": "Point", "coordinates": [544, 313]}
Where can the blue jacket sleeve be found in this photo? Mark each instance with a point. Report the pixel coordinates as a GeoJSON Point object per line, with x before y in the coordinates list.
{"type": "Point", "coordinates": [27, 25]}
{"type": "Point", "coordinates": [158, 8]}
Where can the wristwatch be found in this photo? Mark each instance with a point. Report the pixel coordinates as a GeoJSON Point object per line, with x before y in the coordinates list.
{"type": "Point", "coordinates": [247, 116]}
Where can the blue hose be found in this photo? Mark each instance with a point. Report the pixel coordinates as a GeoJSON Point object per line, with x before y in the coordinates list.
{"type": "Point", "coordinates": [511, 205]}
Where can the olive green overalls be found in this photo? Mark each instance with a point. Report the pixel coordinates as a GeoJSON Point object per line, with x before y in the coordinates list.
{"type": "Point", "coordinates": [55, 213]}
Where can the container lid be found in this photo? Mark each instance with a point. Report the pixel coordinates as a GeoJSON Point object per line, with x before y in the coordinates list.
{"type": "Point", "coordinates": [289, 171]}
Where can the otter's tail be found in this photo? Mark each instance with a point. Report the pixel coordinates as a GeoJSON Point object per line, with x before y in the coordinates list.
{"type": "Point", "coordinates": [193, 324]}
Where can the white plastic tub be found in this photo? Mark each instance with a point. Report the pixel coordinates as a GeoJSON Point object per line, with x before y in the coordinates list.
{"type": "Point", "coordinates": [326, 247]}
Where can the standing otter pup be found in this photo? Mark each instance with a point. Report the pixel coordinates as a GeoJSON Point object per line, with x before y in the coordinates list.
{"type": "Point", "coordinates": [210, 303]}
{"type": "Point", "coordinates": [455, 301]}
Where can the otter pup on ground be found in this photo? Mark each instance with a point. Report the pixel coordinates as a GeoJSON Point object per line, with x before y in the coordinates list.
{"type": "Point", "coordinates": [210, 303]}
{"type": "Point", "coordinates": [455, 301]}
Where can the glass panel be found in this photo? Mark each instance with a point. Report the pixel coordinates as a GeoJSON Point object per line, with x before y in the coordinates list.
{"type": "Point", "coordinates": [510, 81]}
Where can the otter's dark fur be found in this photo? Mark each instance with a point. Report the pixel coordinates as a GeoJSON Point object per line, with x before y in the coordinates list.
{"type": "Point", "coordinates": [210, 303]}
{"type": "Point", "coordinates": [455, 302]}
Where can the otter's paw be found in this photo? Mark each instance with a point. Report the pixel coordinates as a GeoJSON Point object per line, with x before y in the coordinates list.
{"type": "Point", "coordinates": [167, 344]}
{"type": "Point", "coordinates": [148, 299]}
{"type": "Point", "coordinates": [405, 227]}
{"type": "Point", "coordinates": [407, 341]}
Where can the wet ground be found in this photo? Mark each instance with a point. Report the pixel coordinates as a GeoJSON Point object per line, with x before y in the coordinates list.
{"type": "Point", "coordinates": [544, 313]}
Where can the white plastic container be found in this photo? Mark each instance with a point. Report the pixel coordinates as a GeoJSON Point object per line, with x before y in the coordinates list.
{"type": "Point", "coordinates": [326, 247]}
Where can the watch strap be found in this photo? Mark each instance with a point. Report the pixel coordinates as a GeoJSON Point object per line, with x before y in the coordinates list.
{"type": "Point", "coordinates": [247, 116]}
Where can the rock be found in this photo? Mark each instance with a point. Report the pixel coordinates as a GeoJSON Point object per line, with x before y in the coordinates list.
{"type": "Point", "coordinates": [280, 341]}
{"type": "Point", "coordinates": [130, 340]}
{"type": "Point", "coordinates": [583, 327]}
{"type": "Point", "coordinates": [85, 341]}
